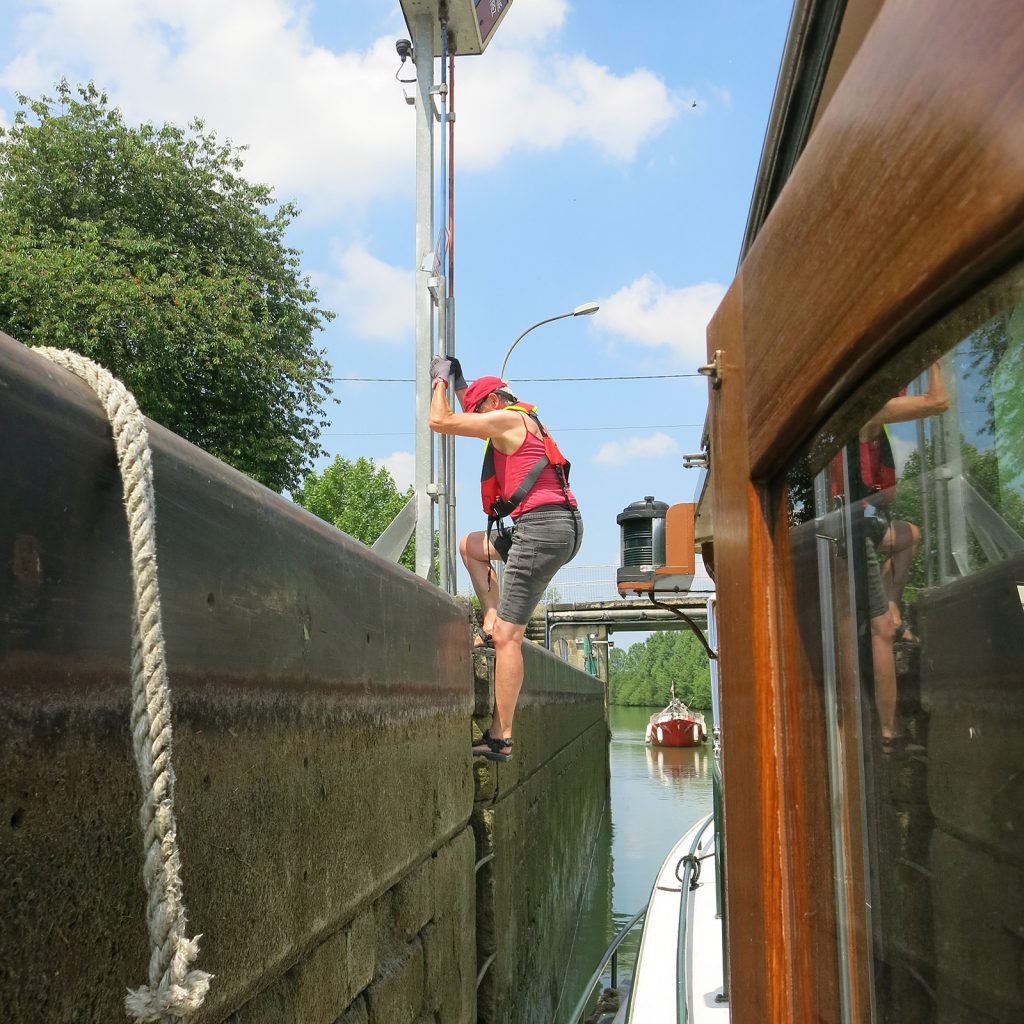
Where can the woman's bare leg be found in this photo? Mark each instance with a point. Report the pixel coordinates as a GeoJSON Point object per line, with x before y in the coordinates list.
{"type": "Point", "coordinates": [477, 554]}
{"type": "Point", "coordinates": [883, 630]}
{"type": "Point", "coordinates": [508, 675]}
{"type": "Point", "coordinates": [898, 547]}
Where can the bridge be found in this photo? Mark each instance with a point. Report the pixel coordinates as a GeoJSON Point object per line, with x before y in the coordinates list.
{"type": "Point", "coordinates": [582, 607]}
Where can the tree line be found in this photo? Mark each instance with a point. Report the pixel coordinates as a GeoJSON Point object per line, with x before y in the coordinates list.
{"type": "Point", "coordinates": [644, 674]}
{"type": "Point", "coordinates": [145, 249]}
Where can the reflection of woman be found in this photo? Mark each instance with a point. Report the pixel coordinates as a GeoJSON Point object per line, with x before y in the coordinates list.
{"type": "Point", "coordinates": [894, 540]}
{"type": "Point", "coordinates": [890, 541]}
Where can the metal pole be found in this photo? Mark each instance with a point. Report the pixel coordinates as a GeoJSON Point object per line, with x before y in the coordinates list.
{"type": "Point", "coordinates": [923, 478]}
{"type": "Point", "coordinates": [440, 492]}
{"type": "Point", "coordinates": [449, 483]}
{"type": "Point", "coordinates": [440, 488]}
{"type": "Point", "coordinates": [423, 51]}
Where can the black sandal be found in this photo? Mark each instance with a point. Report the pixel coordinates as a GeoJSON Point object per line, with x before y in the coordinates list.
{"type": "Point", "coordinates": [901, 744]}
{"type": "Point", "coordinates": [492, 749]}
{"type": "Point", "coordinates": [904, 635]}
{"type": "Point", "coordinates": [483, 643]}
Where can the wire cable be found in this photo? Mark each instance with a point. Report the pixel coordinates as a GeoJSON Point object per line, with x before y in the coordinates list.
{"type": "Point", "coordinates": [561, 430]}
{"type": "Point", "coordinates": [519, 380]}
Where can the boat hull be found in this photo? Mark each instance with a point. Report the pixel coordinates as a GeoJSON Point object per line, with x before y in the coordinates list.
{"type": "Point", "coordinates": [679, 732]}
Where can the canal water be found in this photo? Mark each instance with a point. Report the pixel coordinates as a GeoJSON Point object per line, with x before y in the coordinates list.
{"type": "Point", "coordinates": [656, 794]}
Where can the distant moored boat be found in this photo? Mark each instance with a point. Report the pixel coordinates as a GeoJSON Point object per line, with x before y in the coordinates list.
{"type": "Point", "coordinates": [676, 726]}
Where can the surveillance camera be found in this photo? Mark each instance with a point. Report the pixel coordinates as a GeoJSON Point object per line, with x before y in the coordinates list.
{"type": "Point", "coordinates": [404, 49]}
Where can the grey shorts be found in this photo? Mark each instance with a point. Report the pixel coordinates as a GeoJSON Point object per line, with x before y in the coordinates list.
{"type": "Point", "coordinates": [544, 540]}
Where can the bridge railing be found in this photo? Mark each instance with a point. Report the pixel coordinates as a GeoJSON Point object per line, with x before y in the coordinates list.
{"type": "Point", "coordinates": [578, 584]}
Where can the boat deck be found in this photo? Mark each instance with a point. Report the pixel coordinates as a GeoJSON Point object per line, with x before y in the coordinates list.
{"type": "Point", "coordinates": [653, 998]}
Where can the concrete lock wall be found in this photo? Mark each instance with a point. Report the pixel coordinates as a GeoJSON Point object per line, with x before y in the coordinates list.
{"type": "Point", "coordinates": [326, 804]}
{"type": "Point", "coordinates": [536, 820]}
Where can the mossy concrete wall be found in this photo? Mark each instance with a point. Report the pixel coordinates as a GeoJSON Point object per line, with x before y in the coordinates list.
{"type": "Point", "coordinates": [537, 819]}
{"type": "Point", "coordinates": [321, 711]}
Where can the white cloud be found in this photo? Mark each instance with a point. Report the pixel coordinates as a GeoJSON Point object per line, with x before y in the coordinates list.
{"type": "Point", "coordinates": [372, 299]}
{"type": "Point", "coordinates": [531, 21]}
{"type": "Point", "coordinates": [402, 467]}
{"type": "Point", "coordinates": [649, 313]}
{"type": "Point", "coordinates": [330, 127]}
{"type": "Point", "coordinates": [630, 449]}
{"type": "Point", "coordinates": [518, 100]}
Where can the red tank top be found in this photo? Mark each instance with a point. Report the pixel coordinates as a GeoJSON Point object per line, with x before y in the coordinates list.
{"type": "Point", "coordinates": [510, 470]}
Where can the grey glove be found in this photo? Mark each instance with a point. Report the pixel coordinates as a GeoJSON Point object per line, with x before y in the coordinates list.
{"type": "Point", "coordinates": [456, 371]}
{"type": "Point", "coordinates": [440, 367]}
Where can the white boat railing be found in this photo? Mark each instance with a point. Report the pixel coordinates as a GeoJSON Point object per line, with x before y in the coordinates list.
{"type": "Point", "coordinates": [689, 879]}
{"type": "Point", "coordinates": [691, 871]}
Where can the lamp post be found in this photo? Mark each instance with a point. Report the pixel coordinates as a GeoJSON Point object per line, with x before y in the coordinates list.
{"type": "Point", "coordinates": [587, 309]}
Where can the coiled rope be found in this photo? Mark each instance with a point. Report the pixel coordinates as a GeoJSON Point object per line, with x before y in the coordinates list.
{"type": "Point", "coordinates": [174, 991]}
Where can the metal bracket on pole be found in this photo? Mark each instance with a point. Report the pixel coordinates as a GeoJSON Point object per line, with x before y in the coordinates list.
{"type": "Point", "coordinates": [437, 95]}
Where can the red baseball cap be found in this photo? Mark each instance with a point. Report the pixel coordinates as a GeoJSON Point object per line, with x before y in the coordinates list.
{"type": "Point", "coordinates": [479, 390]}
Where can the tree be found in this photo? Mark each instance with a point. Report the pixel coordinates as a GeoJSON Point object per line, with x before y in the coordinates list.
{"type": "Point", "coordinates": [644, 674]}
{"type": "Point", "coordinates": [358, 498]}
{"type": "Point", "coordinates": [147, 251]}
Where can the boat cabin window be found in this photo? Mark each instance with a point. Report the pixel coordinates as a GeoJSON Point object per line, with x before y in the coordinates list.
{"type": "Point", "coordinates": [907, 541]}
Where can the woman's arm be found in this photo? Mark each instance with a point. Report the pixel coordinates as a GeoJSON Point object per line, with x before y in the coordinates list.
{"type": "Point", "coordinates": [494, 425]}
{"type": "Point", "coordinates": [903, 408]}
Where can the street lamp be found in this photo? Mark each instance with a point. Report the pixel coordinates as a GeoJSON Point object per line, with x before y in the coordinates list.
{"type": "Point", "coordinates": [586, 309]}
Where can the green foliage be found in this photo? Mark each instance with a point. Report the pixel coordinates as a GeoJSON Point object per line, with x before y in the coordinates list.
{"type": "Point", "coordinates": [358, 498]}
{"type": "Point", "coordinates": [145, 250]}
{"type": "Point", "coordinates": [996, 354]}
{"type": "Point", "coordinates": [643, 675]}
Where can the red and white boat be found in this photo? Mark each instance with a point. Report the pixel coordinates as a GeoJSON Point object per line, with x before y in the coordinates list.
{"type": "Point", "coordinates": [676, 726]}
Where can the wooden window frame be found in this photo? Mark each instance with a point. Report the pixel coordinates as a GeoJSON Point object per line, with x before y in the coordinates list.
{"type": "Point", "coordinates": [908, 196]}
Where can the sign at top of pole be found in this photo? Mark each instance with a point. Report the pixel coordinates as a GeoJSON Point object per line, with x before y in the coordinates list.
{"type": "Point", "coordinates": [472, 23]}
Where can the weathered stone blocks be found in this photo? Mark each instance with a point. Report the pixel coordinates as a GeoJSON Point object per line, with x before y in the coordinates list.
{"type": "Point", "coordinates": [396, 995]}
{"type": "Point", "coordinates": [537, 818]}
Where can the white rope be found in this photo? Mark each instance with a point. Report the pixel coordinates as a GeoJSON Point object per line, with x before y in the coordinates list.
{"type": "Point", "coordinates": [174, 991]}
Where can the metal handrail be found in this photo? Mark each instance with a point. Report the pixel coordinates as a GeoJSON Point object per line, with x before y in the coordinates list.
{"type": "Point", "coordinates": [611, 953]}
{"type": "Point", "coordinates": [681, 1013]}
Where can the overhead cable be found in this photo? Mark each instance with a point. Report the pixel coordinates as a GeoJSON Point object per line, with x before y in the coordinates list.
{"type": "Point", "coordinates": [409, 433]}
{"type": "Point", "coordinates": [519, 380]}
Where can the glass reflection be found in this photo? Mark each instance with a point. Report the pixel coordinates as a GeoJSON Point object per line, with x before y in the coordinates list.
{"type": "Point", "coordinates": [908, 525]}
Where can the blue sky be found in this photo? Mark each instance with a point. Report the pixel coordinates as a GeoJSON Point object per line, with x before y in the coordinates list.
{"type": "Point", "coordinates": [604, 151]}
